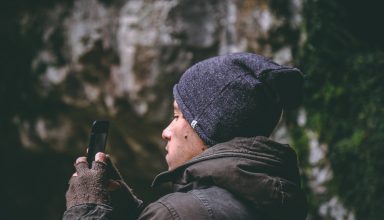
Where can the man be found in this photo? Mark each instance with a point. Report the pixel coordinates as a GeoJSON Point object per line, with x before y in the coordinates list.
{"type": "Point", "coordinates": [221, 162]}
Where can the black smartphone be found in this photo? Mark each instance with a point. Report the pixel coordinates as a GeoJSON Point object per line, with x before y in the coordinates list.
{"type": "Point", "coordinates": [97, 140]}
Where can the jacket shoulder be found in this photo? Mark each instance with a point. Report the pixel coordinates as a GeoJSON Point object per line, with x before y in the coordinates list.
{"type": "Point", "coordinates": [208, 203]}
{"type": "Point", "coordinates": [224, 205]}
{"type": "Point", "coordinates": [176, 206]}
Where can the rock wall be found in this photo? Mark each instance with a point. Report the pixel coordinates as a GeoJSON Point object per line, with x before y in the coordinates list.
{"type": "Point", "coordinates": [118, 60]}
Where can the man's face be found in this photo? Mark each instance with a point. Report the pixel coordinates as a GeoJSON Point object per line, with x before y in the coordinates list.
{"type": "Point", "coordinates": [183, 143]}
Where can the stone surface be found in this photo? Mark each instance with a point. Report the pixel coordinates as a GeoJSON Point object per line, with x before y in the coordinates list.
{"type": "Point", "coordinates": [118, 60]}
{"type": "Point", "coordinates": [109, 60]}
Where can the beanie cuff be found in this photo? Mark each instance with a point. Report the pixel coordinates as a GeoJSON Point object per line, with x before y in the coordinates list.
{"type": "Point", "coordinates": [194, 122]}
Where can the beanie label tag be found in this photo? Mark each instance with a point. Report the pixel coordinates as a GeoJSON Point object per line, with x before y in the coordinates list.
{"type": "Point", "coordinates": [193, 123]}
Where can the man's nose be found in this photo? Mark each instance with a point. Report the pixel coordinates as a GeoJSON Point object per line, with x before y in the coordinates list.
{"type": "Point", "coordinates": [166, 135]}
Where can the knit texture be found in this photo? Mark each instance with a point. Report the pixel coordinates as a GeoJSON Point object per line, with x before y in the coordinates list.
{"type": "Point", "coordinates": [89, 186]}
{"type": "Point", "coordinates": [237, 95]}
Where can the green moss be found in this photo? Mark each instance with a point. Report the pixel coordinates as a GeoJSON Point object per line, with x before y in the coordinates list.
{"type": "Point", "coordinates": [344, 100]}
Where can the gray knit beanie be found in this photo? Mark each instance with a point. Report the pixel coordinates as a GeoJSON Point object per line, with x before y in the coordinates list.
{"type": "Point", "coordinates": [236, 95]}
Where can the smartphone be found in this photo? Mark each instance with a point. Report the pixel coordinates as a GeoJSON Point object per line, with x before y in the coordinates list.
{"type": "Point", "coordinates": [97, 140]}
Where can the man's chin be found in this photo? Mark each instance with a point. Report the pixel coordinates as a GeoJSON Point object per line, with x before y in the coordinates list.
{"type": "Point", "coordinates": [170, 167]}
{"type": "Point", "coordinates": [166, 160]}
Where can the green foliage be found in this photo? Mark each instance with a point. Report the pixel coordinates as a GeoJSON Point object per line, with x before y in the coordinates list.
{"type": "Point", "coordinates": [344, 101]}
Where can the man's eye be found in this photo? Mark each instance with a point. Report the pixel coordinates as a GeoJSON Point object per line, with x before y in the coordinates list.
{"type": "Point", "coordinates": [175, 117]}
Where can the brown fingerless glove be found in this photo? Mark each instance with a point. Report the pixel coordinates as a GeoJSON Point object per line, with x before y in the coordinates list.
{"type": "Point", "coordinates": [89, 186]}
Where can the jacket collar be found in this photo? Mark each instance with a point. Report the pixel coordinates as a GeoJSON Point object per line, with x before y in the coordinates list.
{"type": "Point", "coordinates": [259, 148]}
{"type": "Point", "coordinates": [257, 170]}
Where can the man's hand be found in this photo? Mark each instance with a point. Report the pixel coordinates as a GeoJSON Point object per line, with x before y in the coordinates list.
{"type": "Point", "coordinates": [89, 185]}
{"type": "Point", "coordinates": [102, 184]}
{"type": "Point", "coordinates": [112, 185]}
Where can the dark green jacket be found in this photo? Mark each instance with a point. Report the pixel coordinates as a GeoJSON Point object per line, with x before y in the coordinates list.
{"type": "Point", "coordinates": [245, 178]}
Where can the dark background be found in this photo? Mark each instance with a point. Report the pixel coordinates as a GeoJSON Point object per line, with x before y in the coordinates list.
{"type": "Point", "coordinates": [44, 126]}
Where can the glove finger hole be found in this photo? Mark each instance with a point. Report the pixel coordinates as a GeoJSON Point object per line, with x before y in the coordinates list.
{"type": "Point", "coordinates": [99, 166]}
{"type": "Point", "coordinates": [81, 167]}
